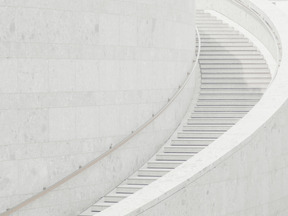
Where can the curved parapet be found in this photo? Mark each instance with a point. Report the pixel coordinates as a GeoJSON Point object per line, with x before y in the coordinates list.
{"type": "Point", "coordinates": [244, 172]}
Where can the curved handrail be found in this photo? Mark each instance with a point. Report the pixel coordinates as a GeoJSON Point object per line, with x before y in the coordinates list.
{"type": "Point", "coordinates": [118, 145]}
{"type": "Point", "coordinates": [272, 32]}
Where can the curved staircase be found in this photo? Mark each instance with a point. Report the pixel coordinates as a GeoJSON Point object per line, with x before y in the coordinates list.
{"type": "Point", "coordinates": [234, 76]}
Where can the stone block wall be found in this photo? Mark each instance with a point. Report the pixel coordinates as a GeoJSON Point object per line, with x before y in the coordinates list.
{"type": "Point", "coordinates": [76, 76]}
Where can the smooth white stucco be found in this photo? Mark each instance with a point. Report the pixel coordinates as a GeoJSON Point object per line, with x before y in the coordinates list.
{"type": "Point", "coordinates": [76, 77]}
{"type": "Point", "coordinates": [282, 5]}
{"type": "Point", "coordinates": [242, 173]}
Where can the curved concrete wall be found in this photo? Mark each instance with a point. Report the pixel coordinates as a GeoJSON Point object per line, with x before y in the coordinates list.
{"type": "Point", "coordinates": [244, 172]}
{"type": "Point", "coordinates": [78, 76]}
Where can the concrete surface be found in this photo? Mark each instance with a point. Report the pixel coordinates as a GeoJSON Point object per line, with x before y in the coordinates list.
{"type": "Point", "coordinates": [78, 76]}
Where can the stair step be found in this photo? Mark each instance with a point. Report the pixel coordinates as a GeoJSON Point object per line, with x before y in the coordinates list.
{"type": "Point", "coordinates": [140, 180]}
{"type": "Point", "coordinates": [212, 19]}
{"type": "Point", "coordinates": [210, 128]}
{"type": "Point", "coordinates": [128, 189]}
{"type": "Point", "coordinates": [216, 29]}
{"type": "Point", "coordinates": [232, 61]}
{"type": "Point", "coordinates": [203, 15]}
{"type": "Point", "coordinates": [235, 80]}
{"type": "Point", "coordinates": [232, 90]}
{"type": "Point", "coordinates": [221, 36]}
{"type": "Point", "coordinates": [230, 66]}
{"type": "Point", "coordinates": [163, 164]}
{"type": "Point", "coordinates": [226, 102]}
{"type": "Point", "coordinates": [230, 48]}
{"type": "Point", "coordinates": [236, 59]}
{"type": "Point", "coordinates": [199, 135]}
{"type": "Point", "coordinates": [114, 198]}
{"type": "Point", "coordinates": [226, 44]}
{"type": "Point", "coordinates": [233, 85]}
{"type": "Point", "coordinates": [215, 43]}
{"type": "Point", "coordinates": [87, 212]}
{"type": "Point", "coordinates": [200, 11]}
{"type": "Point", "coordinates": [218, 114]}
{"type": "Point", "coordinates": [230, 57]}
{"type": "Point", "coordinates": [215, 52]}
{"type": "Point", "coordinates": [214, 32]}
{"type": "Point", "coordinates": [206, 19]}
{"type": "Point", "coordinates": [221, 96]}
{"type": "Point", "coordinates": [183, 149]}
{"type": "Point", "coordinates": [224, 40]}
{"type": "Point", "coordinates": [210, 23]}
{"type": "Point", "coordinates": [152, 172]}
{"type": "Point", "coordinates": [98, 207]}
{"type": "Point", "coordinates": [223, 108]}
{"type": "Point", "coordinates": [226, 67]}
{"type": "Point", "coordinates": [173, 156]}
{"type": "Point", "coordinates": [191, 142]}
{"type": "Point", "coordinates": [203, 121]}
{"type": "Point", "coordinates": [234, 70]}
{"type": "Point", "coordinates": [234, 75]}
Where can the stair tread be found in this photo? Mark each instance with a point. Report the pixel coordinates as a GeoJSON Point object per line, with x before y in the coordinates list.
{"type": "Point", "coordinates": [185, 147]}
{"type": "Point", "coordinates": [176, 154]}
{"type": "Point", "coordinates": [140, 177]}
{"type": "Point", "coordinates": [201, 132]}
{"type": "Point", "coordinates": [165, 162]}
{"type": "Point", "coordinates": [116, 195]}
{"type": "Point", "coordinates": [183, 139]}
{"type": "Point", "coordinates": [154, 170]}
{"type": "Point", "coordinates": [102, 204]}
{"type": "Point", "coordinates": [130, 186]}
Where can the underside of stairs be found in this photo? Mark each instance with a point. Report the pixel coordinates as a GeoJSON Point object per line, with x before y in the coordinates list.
{"type": "Point", "coordinates": [234, 76]}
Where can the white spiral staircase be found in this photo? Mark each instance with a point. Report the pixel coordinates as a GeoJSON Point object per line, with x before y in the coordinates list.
{"type": "Point", "coordinates": [234, 75]}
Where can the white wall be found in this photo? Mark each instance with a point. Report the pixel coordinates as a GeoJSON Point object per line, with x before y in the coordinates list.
{"type": "Point", "coordinates": [76, 76]}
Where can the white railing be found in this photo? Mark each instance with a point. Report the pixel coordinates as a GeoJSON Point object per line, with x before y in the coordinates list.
{"type": "Point", "coordinates": [272, 31]}
{"type": "Point", "coordinates": [117, 146]}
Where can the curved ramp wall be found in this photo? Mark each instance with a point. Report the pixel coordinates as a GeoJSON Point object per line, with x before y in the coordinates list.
{"type": "Point", "coordinates": [245, 171]}
{"type": "Point", "coordinates": [78, 76]}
